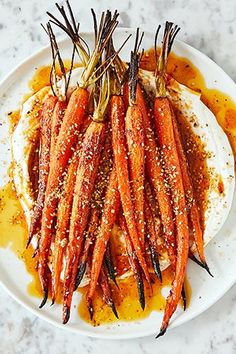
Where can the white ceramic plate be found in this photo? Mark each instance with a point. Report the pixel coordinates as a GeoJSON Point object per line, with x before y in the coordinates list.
{"type": "Point", "coordinates": [220, 252]}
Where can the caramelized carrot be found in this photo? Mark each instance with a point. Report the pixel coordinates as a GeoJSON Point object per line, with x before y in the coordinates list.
{"type": "Point", "coordinates": [57, 119]}
{"type": "Point", "coordinates": [189, 195]}
{"type": "Point", "coordinates": [134, 264]}
{"type": "Point", "coordinates": [85, 180]}
{"type": "Point", "coordinates": [44, 159]}
{"type": "Point", "coordinates": [121, 163]}
{"type": "Point", "coordinates": [165, 134]}
{"type": "Point", "coordinates": [157, 179]}
{"type": "Point", "coordinates": [135, 143]}
{"type": "Point", "coordinates": [111, 208]}
{"type": "Point", "coordinates": [66, 140]}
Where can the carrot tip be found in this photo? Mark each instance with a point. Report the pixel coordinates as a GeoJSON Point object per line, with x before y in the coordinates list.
{"type": "Point", "coordinates": [205, 266]}
{"type": "Point", "coordinates": [141, 291]}
{"type": "Point", "coordinates": [113, 307]}
{"type": "Point", "coordinates": [184, 298]}
{"type": "Point", "coordinates": [161, 333]}
{"type": "Point", "coordinates": [52, 303]}
{"type": "Point", "coordinates": [155, 263]}
{"type": "Point", "coordinates": [79, 275]}
{"type": "Point", "coordinates": [91, 310]}
{"type": "Point", "coordinates": [66, 314]}
{"type": "Point", "coordinates": [45, 297]}
{"type": "Point", "coordinates": [201, 264]}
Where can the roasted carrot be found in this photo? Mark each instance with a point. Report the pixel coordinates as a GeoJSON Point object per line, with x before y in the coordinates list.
{"type": "Point", "coordinates": [63, 213]}
{"type": "Point", "coordinates": [111, 208]}
{"type": "Point", "coordinates": [44, 159]}
{"type": "Point", "coordinates": [189, 195]}
{"type": "Point", "coordinates": [85, 179]}
{"type": "Point", "coordinates": [57, 119]}
{"type": "Point", "coordinates": [63, 218]}
{"type": "Point", "coordinates": [135, 144]}
{"type": "Point", "coordinates": [67, 138]}
{"type": "Point", "coordinates": [157, 179]}
{"type": "Point", "coordinates": [121, 163]}
{"type": "Point", "coordinates": [108, 261]}
{"type": "Point", "coordinates": [165, 134]}
{"type": "Point", "coordinates": [107, 294]}
{"type": "Point", "coordinates": [134, 264]}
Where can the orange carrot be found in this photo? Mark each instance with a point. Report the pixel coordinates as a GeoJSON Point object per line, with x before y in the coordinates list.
{"type": "Point", "coordinates": [189, 195]}
{"type": "Point", "coordinates": [165, 133]}
{"type": "Point", "coordinates": [63, 214]}
{"type": "Point", "coordinates": [66, 140]}
{"type": "Point", "coordinates": [157, 179]}
{"type": "Point", "coordinates": [85, 179]}
{"type": "Point", "coordinates": [111, 208]}
{"type": "Point", "coordinates": [135, 143]}
{"type": "Point", "coordinates": [121, 163]}
{"type": "Point", "coordinates": [44, 159]}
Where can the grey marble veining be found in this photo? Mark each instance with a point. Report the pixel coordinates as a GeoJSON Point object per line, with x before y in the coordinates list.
{"type": "Point", "coordinates": [207, 25]}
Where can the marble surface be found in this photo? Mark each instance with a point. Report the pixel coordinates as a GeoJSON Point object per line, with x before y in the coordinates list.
{"type": "Point", "coordinates": [209, 26]}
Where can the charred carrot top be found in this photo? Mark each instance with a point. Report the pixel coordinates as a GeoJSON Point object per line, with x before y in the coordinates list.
{"type": "Point", "coordinates": [163, 117]}
{"type": "Point", "coordinates": [111, 208]}
{"type": "Point", "coordinates": [134, 264]}
{"type": "Point", "coordinates": [121, 163]}
{"type": "Point", "coordinates": [157, 178]}
{"type": "Point", "coordinates": [44, 159]}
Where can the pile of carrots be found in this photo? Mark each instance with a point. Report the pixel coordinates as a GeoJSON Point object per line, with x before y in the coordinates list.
{"type": "Point", "coordinates": [119, 160]}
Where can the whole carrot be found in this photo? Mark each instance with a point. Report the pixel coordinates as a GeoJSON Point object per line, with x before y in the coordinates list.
{"type": "Point", "coordinates": [165, 133]}
{"type": "Point", "coordinates": [121, 163]}
{"type": "Point", "coordinates": [44, 159]}
{"type": "Point", "coordinates": [158, 180]}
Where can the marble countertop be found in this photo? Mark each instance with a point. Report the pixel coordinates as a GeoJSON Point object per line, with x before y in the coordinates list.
{"type": "Point", "coordinates": [207, 25]}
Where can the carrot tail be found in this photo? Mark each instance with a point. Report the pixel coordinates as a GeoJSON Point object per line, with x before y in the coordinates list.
{"type": "Point", "coordinates": [108, 260]}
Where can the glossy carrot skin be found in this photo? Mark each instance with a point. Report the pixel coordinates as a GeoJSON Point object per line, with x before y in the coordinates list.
{"type": "Point", "coordinates": [120, 157]}
{"type": "Point", "coordinates": [63, 219]}
{"type": "Point", "coordinates": [111, 208]}
{"type": "Point", "coordinates": [57, 118]}
{"type": "Point", "coordinates": [135, 143]}
{"type": "Point", "coordinates": [67, 138]}
{"type": "Point", "coordinates": [85, 180]}
{"type": "Point", "coordinates": [44, 162]}
{"type": "Point", "coordinates": [189, 195]}
{"type": "Point", "coordinates": [165, 133]}
{"type": "Point", "coordinates": [157, 179]}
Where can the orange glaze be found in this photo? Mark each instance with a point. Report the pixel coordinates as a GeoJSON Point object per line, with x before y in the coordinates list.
{"type": "Point", "coordinates": [12, 221]}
